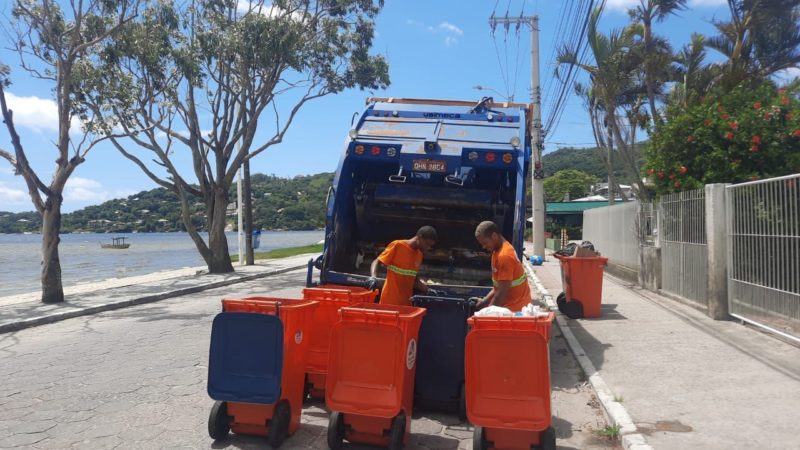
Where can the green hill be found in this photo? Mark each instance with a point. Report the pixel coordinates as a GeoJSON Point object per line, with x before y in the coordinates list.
{"type": "Point", "coordinates": [588, 160]}
{"type": "Point", "coordinates": [279, 204]}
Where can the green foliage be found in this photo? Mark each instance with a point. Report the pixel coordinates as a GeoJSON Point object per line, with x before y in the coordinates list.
{"type": "Point", "coordinates": [588, 160]}
{"type": "Point", "coordinates": [279, 204]}
{"type": "Point", "coordinates": [749, 133]}
{"type": "Point", "coordinates": [573, 182]}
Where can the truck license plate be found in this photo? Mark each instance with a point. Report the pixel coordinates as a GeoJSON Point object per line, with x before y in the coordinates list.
{"type": "Point", "coordinates": [429, 165]}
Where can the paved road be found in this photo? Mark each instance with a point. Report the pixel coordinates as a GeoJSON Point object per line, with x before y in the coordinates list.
{"type": "Point", "coordinates": [135, 379]}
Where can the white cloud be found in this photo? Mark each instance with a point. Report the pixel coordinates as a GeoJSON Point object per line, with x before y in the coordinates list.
{"type": "Point", "coordinates": [706, 3]}
{"type": "Point", "coordinates": [621, 5]}
{"type": "Point", "coordinates": [84, 190]}
{"type": "Point", "coordinates": [788, 74]}
{"type": "Point", "coordinates": [263, 7]}
{"type": "Point", "coordinates": [37, 114]}
{"type": "Point", "coordinates": [625, 5]}
{"type": "Point", "coordinates": [449, 27]}
{"type": "Point", "coordinates": [10, 195]}
{"type": "Point", "coordinates": [450, 31]}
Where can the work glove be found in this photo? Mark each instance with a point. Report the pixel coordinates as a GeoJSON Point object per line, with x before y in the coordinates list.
{"type": "Point", "coordinates": [436, 293]}
{"type": "Point", "coordinates": [371, 283]}
{"type": "Point", "coordinates": [480, 303]}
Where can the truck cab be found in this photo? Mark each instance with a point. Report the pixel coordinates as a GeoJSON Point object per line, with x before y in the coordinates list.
{"type": "Point", "coordinates": [413, 162]}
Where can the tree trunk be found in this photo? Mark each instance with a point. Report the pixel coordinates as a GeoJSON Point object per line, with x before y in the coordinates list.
{"type": "Point", "coordinates": [52, 289]}
{"type": "Point", "coordinates": [651, 90]}
{"type": "Point", "coordinates": [610, 165]}
{"type": "Point", "coordinates": [247, 209]}
{"type": "Point", "coordinates": [219, 259]}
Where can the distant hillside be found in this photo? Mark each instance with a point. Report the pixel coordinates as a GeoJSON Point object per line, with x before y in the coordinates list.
{"type": "Point", "coordinates": [279, 203]}
{"type": "Point", "coordinates": [588, 160]}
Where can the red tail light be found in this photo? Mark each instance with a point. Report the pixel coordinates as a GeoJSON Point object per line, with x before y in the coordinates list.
{"type": "Point", "coordinates": [490, 157]}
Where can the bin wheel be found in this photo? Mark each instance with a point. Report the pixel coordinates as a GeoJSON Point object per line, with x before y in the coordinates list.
{"type": "Point", "coordinates": [335, 430]}
{"type": "Point", "coordinates": [279, 424]}
{"type": "Point", "coordinates": [547, 440]}
{"type": "Point", "coordinates": [306, 389]}
{"type": "Point", "coordinates": [462, 403]}
{"type": "Point", "coordinates": [574, 309]}
{"type": "Point", "coordinates": [398, 432]}
{"type": "Point", "coordinates": [561, 300]}
{"type": "Point", "coordinates": [479, 441]}
{"type": "Point", "coordinates": [219, 422]}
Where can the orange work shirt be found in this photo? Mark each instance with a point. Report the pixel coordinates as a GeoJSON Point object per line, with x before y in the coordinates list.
{"type": "Point", "coordinates": [507, 267]}
{"type": "Point", "coordinates": [402, 263]}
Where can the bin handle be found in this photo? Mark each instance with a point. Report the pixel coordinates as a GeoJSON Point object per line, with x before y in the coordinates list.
{"type": "Point", "coordinates": [373, 314]}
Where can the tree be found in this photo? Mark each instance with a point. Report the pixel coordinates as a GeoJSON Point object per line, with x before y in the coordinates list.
{"type": "Point", "coordinates": [58, 46]}
{"type": "Point", "coordinates": [655, 58]}
{"type": "Point", "coordinates": [746, 134]}
{"type": "Point", "coordinates": [573, 182]}
{"type": "Point", "coordinates": [762, 38]}
{"type": "Point", "coordinates": [242, 62]}
{"type": "Point", "coordinates": [614, 94]}
{"type": "Point", "coordinates": [694, 78]}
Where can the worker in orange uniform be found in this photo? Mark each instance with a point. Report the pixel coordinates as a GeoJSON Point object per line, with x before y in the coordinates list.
{"type": "Point", "coordinates": [509, 284]}
{"type": "Point", "coordinates": [402, 259]}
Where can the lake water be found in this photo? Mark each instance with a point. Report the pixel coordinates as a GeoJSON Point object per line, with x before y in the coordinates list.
{"type": "Point", "coordinates": [82, 259]}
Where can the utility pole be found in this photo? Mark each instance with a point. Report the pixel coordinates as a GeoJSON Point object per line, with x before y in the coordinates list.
{"type": "Point", "coordinates": [537, 172]}
{"type": "Point", "coordinates": [240, 224]}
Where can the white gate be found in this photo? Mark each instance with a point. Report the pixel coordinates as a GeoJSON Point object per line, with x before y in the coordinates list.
{"type": "Point", "coordinates": [764, 253]}
{"type": "Point", "coordinates": [684, 249]}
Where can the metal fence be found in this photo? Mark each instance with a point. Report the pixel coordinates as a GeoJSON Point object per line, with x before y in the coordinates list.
{"type": "Point", "coordinates": [764, 253]}
{"type": "Point", "coordinates": [613, 231]}
{"type": "Point", "coordinates": [684, 249]}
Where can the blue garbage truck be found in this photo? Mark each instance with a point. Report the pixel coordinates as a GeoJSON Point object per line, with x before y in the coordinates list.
{"type": "Point", "coordinates": [413, 162]}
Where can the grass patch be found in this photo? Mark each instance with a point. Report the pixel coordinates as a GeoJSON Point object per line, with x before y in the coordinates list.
{"type": "Point", "coordinates": [284, 252]}
{"type": "Point", "coordinates": [609, 432]}
{"type": "Point", "coordinates": [582, 375]}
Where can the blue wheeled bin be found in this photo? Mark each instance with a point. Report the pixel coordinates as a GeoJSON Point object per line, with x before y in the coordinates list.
{"type": "Point", "coordinates": [439, 380]}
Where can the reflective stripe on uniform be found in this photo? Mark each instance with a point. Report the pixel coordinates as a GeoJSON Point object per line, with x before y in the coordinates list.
{"type": "Point", "coordinates": [399, 271]}
{"type": "Point", "coordinates": [514, 283]}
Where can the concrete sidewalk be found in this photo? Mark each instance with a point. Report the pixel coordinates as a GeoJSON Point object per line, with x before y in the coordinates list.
{"type": "Point", "coordinates": [688, 381]}
{"type": "Point", "coordinates": [23, 311]}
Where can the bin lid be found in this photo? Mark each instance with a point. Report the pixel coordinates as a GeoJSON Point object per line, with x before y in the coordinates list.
{"type": "Point", "coordinates": [245, 358]}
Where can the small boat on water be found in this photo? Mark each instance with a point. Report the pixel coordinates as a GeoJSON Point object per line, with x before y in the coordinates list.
{"type": "Point", "coordinates": [117, 242]}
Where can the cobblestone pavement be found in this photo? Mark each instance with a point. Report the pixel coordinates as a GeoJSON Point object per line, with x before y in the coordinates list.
{"type": "Point", "coordinates": [136, 379]}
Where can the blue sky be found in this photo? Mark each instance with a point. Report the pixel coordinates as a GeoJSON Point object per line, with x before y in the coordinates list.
{"type": "Point", "coordinates": [435, 49]}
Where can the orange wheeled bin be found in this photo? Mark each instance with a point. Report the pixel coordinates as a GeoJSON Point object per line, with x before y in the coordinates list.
{"type": "Point", "coordinates": [370, 385]}
{"type": "Point", "coordinates": [331, 297]}
{"type": "Point", "coordinates": [259, 357]}
{"type": "Point", "coordinates": [582, 279]}
{"type": "Point", "coordinates": [508, 383]}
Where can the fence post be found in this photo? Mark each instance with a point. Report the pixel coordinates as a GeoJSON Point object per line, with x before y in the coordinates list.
{"type": "Point", "coordinates": [717, 237]}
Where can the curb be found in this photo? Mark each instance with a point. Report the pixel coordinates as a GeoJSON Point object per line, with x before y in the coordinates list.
{"type": "Point", "coordinates": [57, 317]}
{"type": "Point", "coordinates": [614, 412]}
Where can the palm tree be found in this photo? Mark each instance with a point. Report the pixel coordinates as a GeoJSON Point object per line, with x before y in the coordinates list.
{"type": "Point", "coordinates": [693, 76]}
{"type": "Point", "coordinates": [615, 83]}
{"type": "Point", "coordinates": [655, 58]}
{"type": "Point", "coordinates": [762, 38]}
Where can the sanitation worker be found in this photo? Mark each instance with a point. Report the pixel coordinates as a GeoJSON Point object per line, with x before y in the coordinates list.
{"type": "Point", "coordinates": [509, 283]}
{"type": "Point", "coordinates": [402, 259]}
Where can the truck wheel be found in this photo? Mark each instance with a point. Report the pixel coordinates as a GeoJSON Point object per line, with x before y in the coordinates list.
{"type": "Point", "coordinates": [219, 422]}
{"type": "Point", "coordinates": [335, 430]}
{"type": "Point", "coordinates": [279, 424]}
{"type": "Point", "coordinates": [479, 439]}
{"type": "Point", "coordinates": [398, 432]}
{"type": "Point", "coordinates": [574, 309]}
{"type": "Point", "coordinates": [547, 439]}
{"type": "Point", "coordinates": [462, 403]}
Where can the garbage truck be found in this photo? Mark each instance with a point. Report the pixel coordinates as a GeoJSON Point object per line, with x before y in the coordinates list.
{"type": "Point", "coordinates": [413, 162]}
